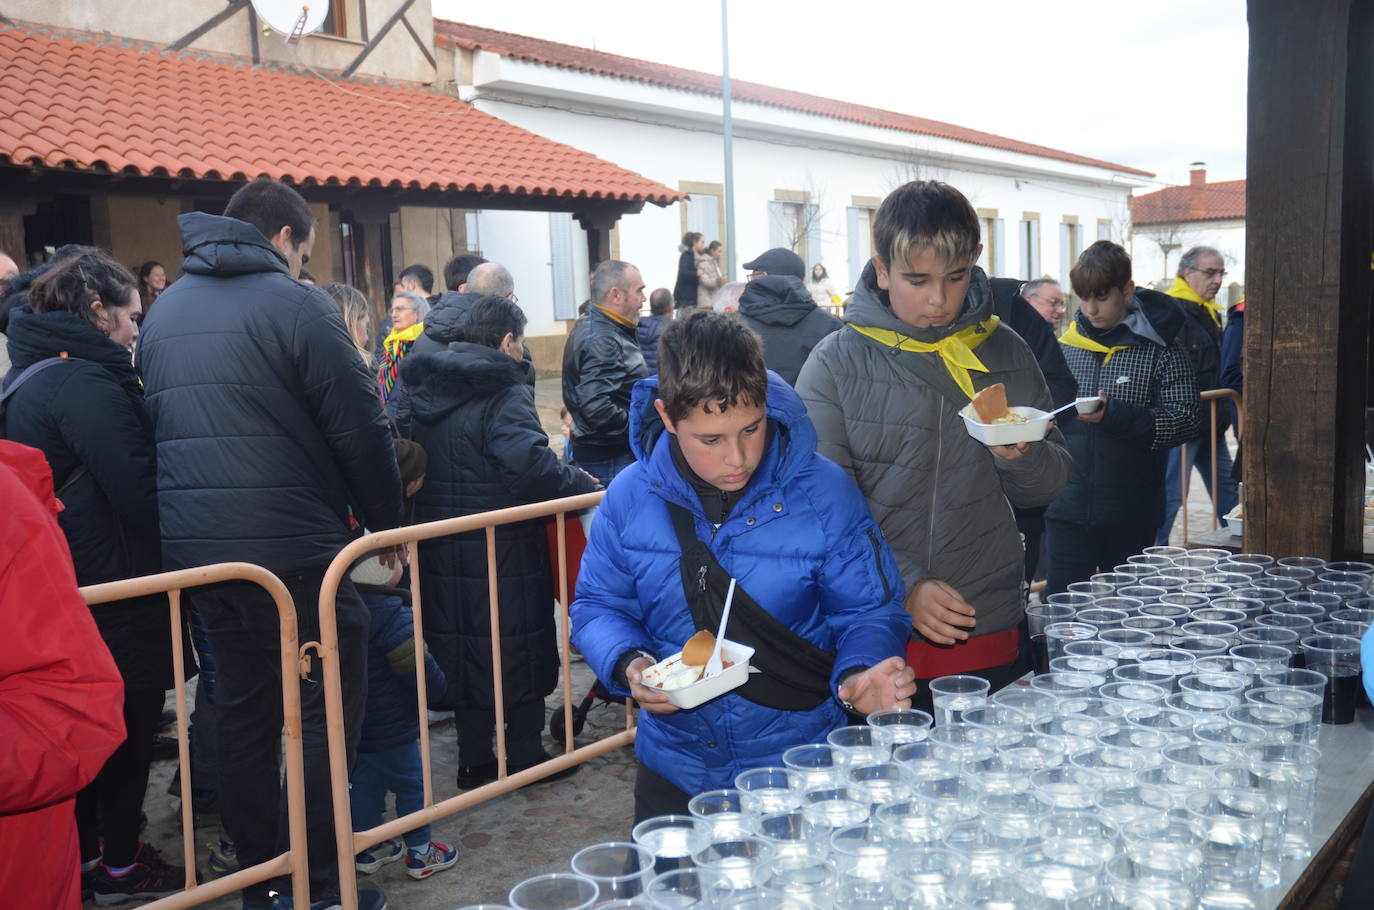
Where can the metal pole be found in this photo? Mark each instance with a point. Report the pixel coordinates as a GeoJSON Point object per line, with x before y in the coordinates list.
{"type": "Point", "coordinates": [729, 139]}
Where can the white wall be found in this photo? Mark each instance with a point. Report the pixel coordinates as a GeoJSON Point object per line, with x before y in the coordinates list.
{"type": "Point", "coordinates": [1228, 237]}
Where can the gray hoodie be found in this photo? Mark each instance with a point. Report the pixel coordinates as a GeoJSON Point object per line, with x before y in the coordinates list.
{"type": "Point", "coordinates": [941, 498]}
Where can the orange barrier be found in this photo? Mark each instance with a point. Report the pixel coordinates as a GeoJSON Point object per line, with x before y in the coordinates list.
{"type": "Point", "coordinates": [350, 843]}
{"type": "Point", "coordinates": [293, 665]}
{"type": "Point", "coordinates": [1212, 399]}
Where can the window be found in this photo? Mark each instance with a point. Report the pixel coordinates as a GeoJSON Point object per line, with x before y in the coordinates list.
{"type": "Point", "coordinates": [561, 256]}
{"type": "Point", "coordinates": [994, 239]}
{"type": "Point", "coordinates": [1028, 238]}
{"type": "Point", "coordinates": [796, 226]}
{"type": "Point", "coordinates": [860, 221]}
{"type": "Point", "coordinates": [1104, 229]}
{"type": "Point", "coordinates": [336, 21]}
{"type": "Point", "coordinates": [1070, 246]}
{"type": "Point", "coordinates": [703, 216]}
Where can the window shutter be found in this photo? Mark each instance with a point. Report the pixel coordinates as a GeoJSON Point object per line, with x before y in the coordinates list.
{"type": "Point", "coordinates": [561, 265]}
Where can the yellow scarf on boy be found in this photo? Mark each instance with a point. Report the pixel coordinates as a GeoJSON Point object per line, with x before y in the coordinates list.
{"type": "Point", "coordinates": [955, 350]}
{"type": "Point", "coordinates": [1075, 339]}
{"type": "Point", "coordinates": [1182, 291]}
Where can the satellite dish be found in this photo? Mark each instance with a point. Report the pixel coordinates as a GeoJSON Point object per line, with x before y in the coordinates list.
{"type": "Point", "coordinates": [292, 18]}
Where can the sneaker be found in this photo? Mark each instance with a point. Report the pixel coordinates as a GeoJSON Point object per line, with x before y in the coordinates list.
{"type": "Point", "coordinates": [148, 878]}
{"type": "Point", "coordinates": [435, 857]}
{"type": "Point", "coordinates": [223, 858]}
{"type": "Point", "coordinates": [88, 870]}
{"type": "Point", "coordinates": [375, 857]}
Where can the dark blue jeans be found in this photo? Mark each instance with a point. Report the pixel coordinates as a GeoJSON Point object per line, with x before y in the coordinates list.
{"type": "Point", "coordinates": [1199, 456]}
{"type": "Point", "coordinates": [395, 770]}
{"type": "Point", "coordinates": [606, 471]}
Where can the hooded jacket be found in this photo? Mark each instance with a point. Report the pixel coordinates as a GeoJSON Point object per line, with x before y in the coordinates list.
{"type": "Point", "coordinates": [60, 693]}
{"type": "Point", "coordinates": [799, 540]}
{"type": "Point", "coordinates": [474, 413]}
{"type": "Point", "coordinates": [268, 423]}
{"type": "Point", "coordinates": [685, 287]}
{"type": "Point", "coordinates": [601, 363]}
{"type": "Point", "coordinates": [648, 332]}
{"type": "Point", "coordinates": [941, 497]}
{"type": "Point", "coordinates": [1152, 406]}
{"type": "Point", "coordinates": [392, 717]}
{"type": "Point", "coordinates": [88, 419]}
{"type": "Point", "coordinates": [1201, 338]}
{"type": "Point", "coordinates": [781, 310]}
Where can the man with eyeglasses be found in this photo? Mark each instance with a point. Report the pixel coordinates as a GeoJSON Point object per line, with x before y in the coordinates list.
{"type": "Point", "coordinates": [1047, 297]}
{"type": "Point", "coordinates": [1200, 273]}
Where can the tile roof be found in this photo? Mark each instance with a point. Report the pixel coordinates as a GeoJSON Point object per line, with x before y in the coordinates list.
{"type": "Point", "coordinates": [112, 105]}
{"type": "Point", "coordinates": [537, 50]}
{"type": "Point", "coordinates": [1205, 202]}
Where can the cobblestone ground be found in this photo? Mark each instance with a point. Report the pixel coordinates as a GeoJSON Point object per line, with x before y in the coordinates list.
{"type": "Point", "coordinates": [534, 830]}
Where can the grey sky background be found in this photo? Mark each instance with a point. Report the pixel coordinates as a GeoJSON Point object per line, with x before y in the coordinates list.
{"type": "Point", "coordinates": [1154, 86]}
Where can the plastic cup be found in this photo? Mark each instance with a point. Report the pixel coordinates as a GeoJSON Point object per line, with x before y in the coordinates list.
{"type": "Point", "coordinates": [1038, 616]}
{"type": "Point", "coordinates": [819, 764]}
{"type": "Point", "coordinates": [721, 813]}
{"type": "Point", "coordinates": [1128, 641]}
{"type": "Point", "coordinates": [915, 822]}
{"type": "Point", "coordinates": [1115, 580]}
{"type": "Point", "coordinates": [907, 725]}
{"type": "Point", "coordinates": [1067, 787]}
{"type": "Point", "coordinates": [685, 888]}
{"type": "Point", "coordinates": [1105, 617]}
{"type": "Point", "coordinates": [959, 742]}
{"type": "Point", "coordinates": [1270, 635]}
{"type": "Point", "coordinates": [1231, 821]}
{"type": "Point", "coordinates": [955, 792]}
{"type": "Point", "coordinates": [1266, 595]}
{"type": "Point", "coordinates": [1159, 628]}
{"type": "Point", "coordinates": [1080, 837]}
{"type": "Point", "coordinates": [621, 870]}
{"type": "Point", "coordinates": [1307, 701]}
{"type": "Point", "coordinates": [1306, 562]}
{"type": "Point", "coordinates": [931, 879]}
{"type": "Point", "coordinates": [1176, 726]}
{"type": "Point", "coordinates": [1130, 693]}
{"type": "Point", "coordinates": [835, 807]}
{"type": "Point", "coordinates": [987, 851]}
{"type": "Point", "coordinates": [1023, 698]}
{"type": "Point", "coordinates": [671, 838]}
{"type": "Point", "coordinates": [1145, 594]}
{"type": "Point", "coordinates": [1226, 631]}
{"type": "Point", "coordinates": [792, 834]}
{"type": "Point", "coordinates": [1091, 588]}
{"type": "Point", "coordinates": [1171, 553]}
{"type": "Point", "coordinates": [1156, 561]}
{"type": "Point", "coordinates": [1287, 774]}
{"type": "Point", "coordinates": [1307, 603]}
{"type": "Point", "coordinates": [1345, 585]}
{"type": "Point", "coordinates": [1063, 685]}
{"type": "Point", "coordinates": [1266, 658]}
{"type": "Point", "coordinates": [1262, 560]}
{"type": "Point", "coordinates": [1135, 570]}
{"type": "Point", "coordinates": [1281, 724]}
{"type": "Point", "coordinates": [862, 743]}
{"type": "Point", "coordinates": [1008, 724]}
{"type": "Point", "coordinates": [1334, 627]}
{"type": "Point", "coordinates": [1362, 615]}
{"type": "Point", "coordinates": [1097, 667]}
{"type": "Point", "coordinates": [769, 790]}
{"type": "Point", "coordinates": [1019, 814]}
{"type": "Point", "coordinates": [1196, 646]}
{"type": "Point", "coordinates": [883, 782]}
{"type": "Point", "coordinates": [734, 860]}
{"type": "Point", "coordinates": [1301, 575]}
{"type": "Point", "coordinates": [953, 695]}
{"type": "Point", "coordinates": [797, 878]}
{"type": "Point", "coordinates": [1218, 612]}
{"type": "Point", "coordinates": [559, 891]}
{"type": "Point", "coordinates": [1076, 600]}
{"type": "Point", "coordinates": [1337, 657]}
{"type": "Point", "coordinates": [1119, 804]}
{"type": "Point", "coordinates": [866, 852]}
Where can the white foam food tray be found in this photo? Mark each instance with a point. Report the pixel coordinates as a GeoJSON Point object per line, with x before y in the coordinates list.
{"type": "Point", "coordinates": [702, 691]}
{"type": "Point", "coordinates": [1037, 424]}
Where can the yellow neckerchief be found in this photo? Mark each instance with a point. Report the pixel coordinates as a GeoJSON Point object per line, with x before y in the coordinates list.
{"type": "Point", "coordinates": [399, 337]}
{"type": "Point", "coordinates": [1181, 290]}
{"type": "Point", "coordinates": [615, 317]}
{"type": "Point", "coordinates": [955, 350]}
{"type": "Point", "coordinates": [1075, 339]}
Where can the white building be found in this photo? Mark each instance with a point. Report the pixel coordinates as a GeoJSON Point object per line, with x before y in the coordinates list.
{"type": "Point", "coordinates": [809, 171]}
{"type": "Point", "coordinates": [1167, 222]}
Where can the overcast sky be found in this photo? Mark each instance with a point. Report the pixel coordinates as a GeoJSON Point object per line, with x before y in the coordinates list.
{"type": "Point", "coordinates": [1154, 85]}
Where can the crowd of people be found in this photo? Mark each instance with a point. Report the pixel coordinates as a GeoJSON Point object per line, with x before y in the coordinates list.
{"type": "Point", "coordinates": [749, 440]}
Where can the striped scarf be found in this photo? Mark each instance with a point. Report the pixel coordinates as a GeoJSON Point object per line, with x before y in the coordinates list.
{"type": "Point", "coordinates": [394, 349]}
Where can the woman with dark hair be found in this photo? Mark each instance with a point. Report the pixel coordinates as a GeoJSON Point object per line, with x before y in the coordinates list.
{"type": "Point", "coordinates": [152, 281]}
{"type": "Point", "coordinates": [685, 289]}
{"type": "Point", "coordinates": [823, 289]}
{"type": "Point", "coordinates": [72, 393]}
{"type": "Point", "coordinates": [709, 275]}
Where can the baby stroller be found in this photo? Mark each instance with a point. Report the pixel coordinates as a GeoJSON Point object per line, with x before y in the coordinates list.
{"type": "Point", "coordinates": [597, 693]}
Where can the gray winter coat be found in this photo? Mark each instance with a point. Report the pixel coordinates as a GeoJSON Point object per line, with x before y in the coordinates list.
{"type": "Point", "coordinates": [942, 499]}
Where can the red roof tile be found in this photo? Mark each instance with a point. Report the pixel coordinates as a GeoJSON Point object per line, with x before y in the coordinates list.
{"type": "Point", "coordinates": [1205, 202]}
{"type": "Point", "coordinates": [101, 104]}
{"type": "Point", "coordinates": [537, 50]}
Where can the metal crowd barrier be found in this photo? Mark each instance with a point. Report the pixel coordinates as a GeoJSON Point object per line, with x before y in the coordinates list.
{"type": "Point", "coordinates": [293, 665]}
{"type": "Point", "coordinates": [1213, 400]}
{"type": "Point", "coordinates": [350, 843]}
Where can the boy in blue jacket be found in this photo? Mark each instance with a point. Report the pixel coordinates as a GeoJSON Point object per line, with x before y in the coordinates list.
{"type": "Point", "coordinates": [389, 748]}
{"type": "Point", "coordinates": [734, 489]}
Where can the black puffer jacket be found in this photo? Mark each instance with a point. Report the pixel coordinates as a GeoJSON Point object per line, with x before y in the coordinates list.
{"type": "Point", "coordinates": [685, 287]}
{"type": "Point", "coordinates": [1026, 321]}
{"type": "Point", "coordinates": [268, 424]}
{"type": "Point", "coordinates": [1152, 405]}
{"type": "Point", "coordinates": [1201, 338]}
{"type": "Point", "coordinates": [474, 414]}
{"type": "Point", "coordinates": [601, 364]}
{"type": "Point", "coordinates": [782, 311]}
{"type": "Point", "coordinates": [88, 414]}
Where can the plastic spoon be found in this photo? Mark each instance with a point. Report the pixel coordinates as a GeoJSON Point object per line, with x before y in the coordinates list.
{"type": "Point", "coordinates": [714, 665]}
{"type": "Point", "coordinates": [1063, 407]}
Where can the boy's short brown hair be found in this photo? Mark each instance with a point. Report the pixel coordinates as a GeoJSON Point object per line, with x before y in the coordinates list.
{"type": "Point", "coordinates": [1102, 267]}
{"type": "Point", "coordinates": [926, 213]}
{"type": "Point", "coordinates": [710, 359]}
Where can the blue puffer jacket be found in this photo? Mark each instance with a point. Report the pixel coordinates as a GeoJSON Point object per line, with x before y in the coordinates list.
{"type": "Point", "coordinates": [800, 541]}
{"type": "Point", "coordinates": [392, 717]}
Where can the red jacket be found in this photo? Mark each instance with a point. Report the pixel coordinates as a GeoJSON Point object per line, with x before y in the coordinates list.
{"type": "Point", "coordinates": [61, 698]}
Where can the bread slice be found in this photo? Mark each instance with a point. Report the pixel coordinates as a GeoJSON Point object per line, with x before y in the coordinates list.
{"type": "Point", "coordinates": [991, 403]}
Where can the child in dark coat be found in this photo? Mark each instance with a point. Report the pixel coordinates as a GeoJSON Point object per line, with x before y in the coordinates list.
{"type": "Point", "coordinates": [389, 749]}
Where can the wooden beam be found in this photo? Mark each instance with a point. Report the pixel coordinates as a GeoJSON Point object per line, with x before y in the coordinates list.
{"type": "Point", "coordinates": [376, 39]}
{"type": "Point", "coordinates": [1308, 242]}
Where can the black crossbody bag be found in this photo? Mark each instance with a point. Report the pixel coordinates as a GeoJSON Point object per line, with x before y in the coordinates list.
{"type": "Point", "coordinates": [794, 674]}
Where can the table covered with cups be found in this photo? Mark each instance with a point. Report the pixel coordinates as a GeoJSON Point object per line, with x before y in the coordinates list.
{"type": "Point", "coordinates": [1194, 736]}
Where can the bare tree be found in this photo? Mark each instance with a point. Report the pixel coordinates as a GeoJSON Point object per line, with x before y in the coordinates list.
{"type": "Point", "coordinates": [1168, 236]}
{"type": "Point", "coordinates": [804, 218]}
{"type": "Point", "coordinates": [920, 163]}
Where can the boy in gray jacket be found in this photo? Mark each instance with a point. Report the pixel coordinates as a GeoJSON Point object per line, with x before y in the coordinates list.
{"type": "Point", "coordinates": [885, 394]}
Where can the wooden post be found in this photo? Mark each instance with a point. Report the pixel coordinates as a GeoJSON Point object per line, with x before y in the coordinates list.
{"type": "Point", "coordinates": [1308, 246]}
